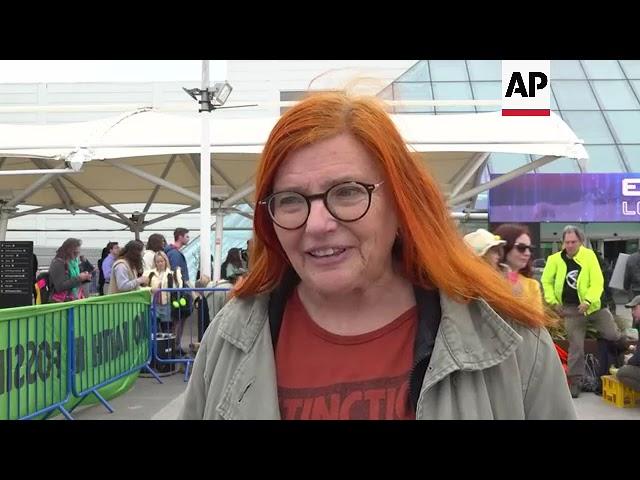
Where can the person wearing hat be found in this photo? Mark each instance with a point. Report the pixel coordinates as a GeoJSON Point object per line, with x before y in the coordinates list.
{"type": "Point", "coordinates": [629, 374]}
{"type": "Point", "coordinates": [488, 246]}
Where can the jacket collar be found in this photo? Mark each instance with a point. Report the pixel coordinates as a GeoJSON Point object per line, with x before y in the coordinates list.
{"type": "Point", "coordinates": [469, 336]}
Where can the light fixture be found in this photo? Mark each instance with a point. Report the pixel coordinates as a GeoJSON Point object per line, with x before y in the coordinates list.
{"type": "Point", "coordinates": [221, 92]}
{"type": "Point", "coordinates": [211, 98]}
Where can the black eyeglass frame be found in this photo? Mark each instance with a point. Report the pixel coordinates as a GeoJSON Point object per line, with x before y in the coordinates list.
{"type": "Point", "coordinates": [369, 187]}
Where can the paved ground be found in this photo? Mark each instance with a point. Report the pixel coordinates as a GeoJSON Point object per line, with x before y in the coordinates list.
{"type": "Point", "coordinates": [147, 400]}
{"type": "Point", "coordinates": [592, 407]}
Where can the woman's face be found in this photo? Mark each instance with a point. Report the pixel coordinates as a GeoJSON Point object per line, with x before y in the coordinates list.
{"type": "Point", "coordinates": [516, 259]}
{"type": "Point", "coordinates": [329, 255]}
{"type": "Point", "coordinates": [160, 263]}
{"type": "Point", "coordinates": [493, 256]}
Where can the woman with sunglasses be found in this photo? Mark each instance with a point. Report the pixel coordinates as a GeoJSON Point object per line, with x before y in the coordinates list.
{"type": "Point", "coordinates": [518, 256]}
{"type": "Point", "coordinates": [362, 301]}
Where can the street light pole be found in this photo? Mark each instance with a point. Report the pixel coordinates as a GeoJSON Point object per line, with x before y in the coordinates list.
{"type": "Point", "coordinates": [209, 100]}
{"type": "Point", "coordinates": [205, 181]}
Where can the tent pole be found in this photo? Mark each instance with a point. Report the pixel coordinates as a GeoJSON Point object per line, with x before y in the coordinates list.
{"type": "Point", "coordinates": [217, 260]}
{"type": "Point", "coordinates": [4, 221]}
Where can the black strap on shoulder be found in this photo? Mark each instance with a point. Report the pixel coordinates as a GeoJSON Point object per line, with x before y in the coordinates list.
{"type": "Point", "coordinates": [278, 302]}
{"type": "Point", "coordinates": [429, 314]}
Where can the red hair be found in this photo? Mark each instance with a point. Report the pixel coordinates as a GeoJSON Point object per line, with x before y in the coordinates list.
{"type": "Point", "coordinates": [432, 252]}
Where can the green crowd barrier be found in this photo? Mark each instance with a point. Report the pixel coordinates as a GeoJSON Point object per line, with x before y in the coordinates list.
{"type": "Point", "coordinates": [58, 356]}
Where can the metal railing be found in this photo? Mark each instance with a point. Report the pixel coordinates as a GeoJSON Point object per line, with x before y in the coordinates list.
{"type": "Point", "coordinates": [180, 321]}
{"type": "Point", "coordinates": [55, 354]}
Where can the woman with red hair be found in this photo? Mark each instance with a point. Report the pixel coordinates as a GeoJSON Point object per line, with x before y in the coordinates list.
{"type": "Point", "coordinates": [362, 301]}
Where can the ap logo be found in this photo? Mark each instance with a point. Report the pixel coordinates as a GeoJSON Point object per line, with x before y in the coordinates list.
{"type": "Point", "coordinates": [526, 89]}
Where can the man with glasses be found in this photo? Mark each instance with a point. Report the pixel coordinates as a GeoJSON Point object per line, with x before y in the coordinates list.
{"type": "Point", "coordinates": [573, 285]}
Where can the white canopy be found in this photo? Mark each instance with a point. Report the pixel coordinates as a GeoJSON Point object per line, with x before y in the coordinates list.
{"type": "Point", "coordinates": [146, 156]}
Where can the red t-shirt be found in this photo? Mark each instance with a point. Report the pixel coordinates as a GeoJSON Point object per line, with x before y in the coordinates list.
{"type": "Point", "coordinates": [332, 377]}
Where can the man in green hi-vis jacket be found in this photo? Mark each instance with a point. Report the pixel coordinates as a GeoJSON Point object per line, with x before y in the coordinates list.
{"type": "Point", "coordinates": [573, 285]}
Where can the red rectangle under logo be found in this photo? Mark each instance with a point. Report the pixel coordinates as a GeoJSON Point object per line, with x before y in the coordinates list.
{"type": "Point", "coordinates": [507, 112]}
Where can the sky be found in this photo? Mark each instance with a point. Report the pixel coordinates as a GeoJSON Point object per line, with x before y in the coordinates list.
{"type": "Point", "coordinates": [49, 71]}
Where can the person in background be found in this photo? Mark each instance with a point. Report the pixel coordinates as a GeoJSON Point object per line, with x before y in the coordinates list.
{"type": "Point", "coordinates": [177, 260]}
{"type": "Point", "coordinates": [487, 246]}
{"type": "Point", "coordinates": [517, 256]}
{"type": "Point", "coordinates": [103, 255]}
{"type": "Point", "coordinates": [65, 276]}
{"type": "Point", "coordinates": [161, 276]}
{"type": "Point", "coordinates": [155, 243]}
{"type": "Point", "coordinates": [632, 275]}
{"type": "Point", "coordinates": [573, 284]}
{"type": "Point", "coordinates": [246, 253]}
{"type": "Point", "coordinates": [126, 272]}
{"type": "Point", "coordinates": [35, 275]}
{"type": "Point", "coordinates": [86, 265]}
{"type": "Point", "coordinates": [233, 267]}
{"type": "Point", "coordinates": [113, 250]}
{"type": "Point", "coordinates": [629, 374]}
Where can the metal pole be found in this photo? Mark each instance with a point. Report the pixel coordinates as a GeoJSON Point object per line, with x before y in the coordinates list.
{"type": "Point", "coordinates": [217, 261]}
{"type": "Point", "coordinates": [4, 223]}
{"type": "Point", "coordinates": [205, 183]}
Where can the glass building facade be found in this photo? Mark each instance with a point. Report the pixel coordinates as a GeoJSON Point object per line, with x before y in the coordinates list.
{"type": "Point", "coordinates": [598, 99]}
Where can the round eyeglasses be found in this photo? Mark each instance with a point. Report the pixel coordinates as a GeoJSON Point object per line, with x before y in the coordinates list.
{"type": "Point", "coordinates": [347, 202]}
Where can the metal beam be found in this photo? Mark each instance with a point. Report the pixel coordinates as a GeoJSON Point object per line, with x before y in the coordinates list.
{"type": "Point", "coordinates": [33, 211]}
{"type": "Point", "coordinates": [153, 179]}
{"type": "Point", "coordinates": [247, 199]}
{"type": "Point", "coordinates": [193, 165]}
{"type": "Point", "coordinates": [465, 175]}
{"type": "Point", "coordinates": [125, 222]}
{"type": "Point", "coordinates": [61, 191]}
{"type": "Point", "coordinates": [89, 193]}
{"type": "Point", "coordinates": [223, 176]}
{"type": "Point", "coordinates": [245, 189]}
{"type": "Point", "coordinates": [244, 214]}
{"type": "Point", "coordinates": [469, 216]}
{"type": "Point", "coordinates": [34, 187]}
{"type": "Point", "coordinates": [502, 179]}
{"type": "Point", "coordinates": [164, 174]}
{"type": "Point", "coordinates": [476, 182]}
{"type": "Point", "coordinates": [172, 214]}
{"type": "Point", "coordinates": [56, 171]}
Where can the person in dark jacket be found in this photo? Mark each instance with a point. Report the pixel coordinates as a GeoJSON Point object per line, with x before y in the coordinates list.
{"type": "Point", "coordinates": [64, 272]}
{"type": "Point", "coordinates": [177, 260]}
{"type": "Point", "coordinates": [629, 374]}
{"type": "Point", "coordinates": [632, 275]}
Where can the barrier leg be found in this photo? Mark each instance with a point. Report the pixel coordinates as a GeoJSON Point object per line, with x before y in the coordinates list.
{"type": "Point", "coordinates": [152, 372]}
{"type": "Point", "coordinates": [103, 401]}
{"type": "Point", "coordinates": [78, 403]}
{"type": "Point", "coordinates": [66, 414]}
{"type": "Point", "coordinates": [186, 371]}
